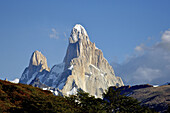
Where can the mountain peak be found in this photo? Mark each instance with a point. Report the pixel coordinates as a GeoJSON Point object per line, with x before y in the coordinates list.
{"type": "Point", "coordinates": [37, 65]}
{"type": "Point", "coordinates": [80, 29]}
{"type": "Point", "coordinates": [37, 52]}
{"type": "Point", "coordinates": [78, 32]}
{"type": "Point", "coordinates": [38, 59]}
{"type": "Point", "coordinates": [84, 67]}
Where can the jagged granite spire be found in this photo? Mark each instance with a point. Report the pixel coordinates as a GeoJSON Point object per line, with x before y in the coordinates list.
{"type": "Point", "coordinates": [38, 59]}
{"type": "Point", "coordinates": [37, 65]}
{"type": "Point", "coordinates": [84, 67]}
{"type": "Point", "coordinates": [77, 35]}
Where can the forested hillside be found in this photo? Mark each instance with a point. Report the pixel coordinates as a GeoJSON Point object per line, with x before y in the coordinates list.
{"type": "Point", "coordinates": [22, 98]}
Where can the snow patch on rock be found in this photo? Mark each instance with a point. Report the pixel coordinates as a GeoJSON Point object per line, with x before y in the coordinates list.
{"type": "Point", "coordinates": [15, 81]}
{"type": "Point", "coordinates": [155, 85]}
{"type": "Point", "coordinates": [71, 67]}
{"type": "Point", "coordinates": [95, 67]}
{"type": "Point", "coordinates": [72, 92]}
{"type": "Point", "coordinates": [80, 29]}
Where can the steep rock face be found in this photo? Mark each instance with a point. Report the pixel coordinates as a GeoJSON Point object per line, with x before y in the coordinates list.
{"type": "Point", "coordinates": [53, 78]}
{"type": "Point", "coordinates": [38, 59]}
{"type": "Point", "coordinates": [36, 83]}
{"type": "Point", "coordinates": [89, 70]}
{"type": "Point", "coordinates": [37, 67]}
{"type": "Point", "coordinates": [83, 67]}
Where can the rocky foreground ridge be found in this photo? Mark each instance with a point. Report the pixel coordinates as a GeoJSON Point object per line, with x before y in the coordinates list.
{"type": "Point", "coordinates": [84, 67]}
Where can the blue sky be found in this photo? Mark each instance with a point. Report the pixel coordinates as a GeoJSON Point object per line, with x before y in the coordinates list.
{"type": "Point", "coordinates": [116, 26]}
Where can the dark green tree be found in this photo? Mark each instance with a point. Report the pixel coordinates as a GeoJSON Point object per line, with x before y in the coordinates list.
{"type": "Point", "coordinates": [117, 103]}
{"type": "Point", "coordinates": [87, 103]}
{"type": "Point", "coordinates": [168, 110]}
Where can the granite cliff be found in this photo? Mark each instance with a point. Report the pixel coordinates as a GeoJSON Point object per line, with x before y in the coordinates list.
{"type": "Point", "coordinates": [84, 67]}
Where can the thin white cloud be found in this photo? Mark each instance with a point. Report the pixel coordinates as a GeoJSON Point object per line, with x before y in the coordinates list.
{"type": "Point", "coordinates": [166, 36]}
{"type": "Point", "coordinates": [54, 34]}
{"type": "Point", "coordinates": [139, 48]}
{"type": "Point", "coordinates": [145, 74]}
{"type": "Point", "coordinates": [153, 66]}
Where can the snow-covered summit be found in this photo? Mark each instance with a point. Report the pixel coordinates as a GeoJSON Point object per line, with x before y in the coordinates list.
{"type": "Point", "coordinates": [78, 32]}
{"type": "Point", "coordinates": [84, 67]}
{"type": "Point", "coordinates": [80, 29]}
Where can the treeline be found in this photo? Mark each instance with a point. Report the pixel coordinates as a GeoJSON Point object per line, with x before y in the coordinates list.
{"type": "Point", "coordinates": [22, 98]}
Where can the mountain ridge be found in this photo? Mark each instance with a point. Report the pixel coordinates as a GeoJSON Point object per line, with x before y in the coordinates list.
{"type": "Point", "coordinates": [151, 96]}
{"type": "Point", "coordinates": [84, 66]}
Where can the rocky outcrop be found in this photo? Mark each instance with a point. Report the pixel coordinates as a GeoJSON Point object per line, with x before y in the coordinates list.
{"type": "Point", "coordinates": [39, 60]}
{"type": "Point", "coordinates": [37, 67]}
{"type": "Point", "coordinates": [84, 67]}
{"type": "Point", "coordinates": [36, 83]}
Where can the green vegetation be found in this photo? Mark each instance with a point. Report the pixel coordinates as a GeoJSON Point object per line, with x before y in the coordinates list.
{"type": "Point", "coordinates": [118, 103]}
{"type": "Point", "coordinates": [22, 98]}
{"type": "Point", "coordinates": [168, 110]}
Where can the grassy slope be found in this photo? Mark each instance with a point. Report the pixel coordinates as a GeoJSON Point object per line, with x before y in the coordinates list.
{"type": "Point", "coordinates": [22, 98]}
{"type": "Point", "coordinates": [25, 98]}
